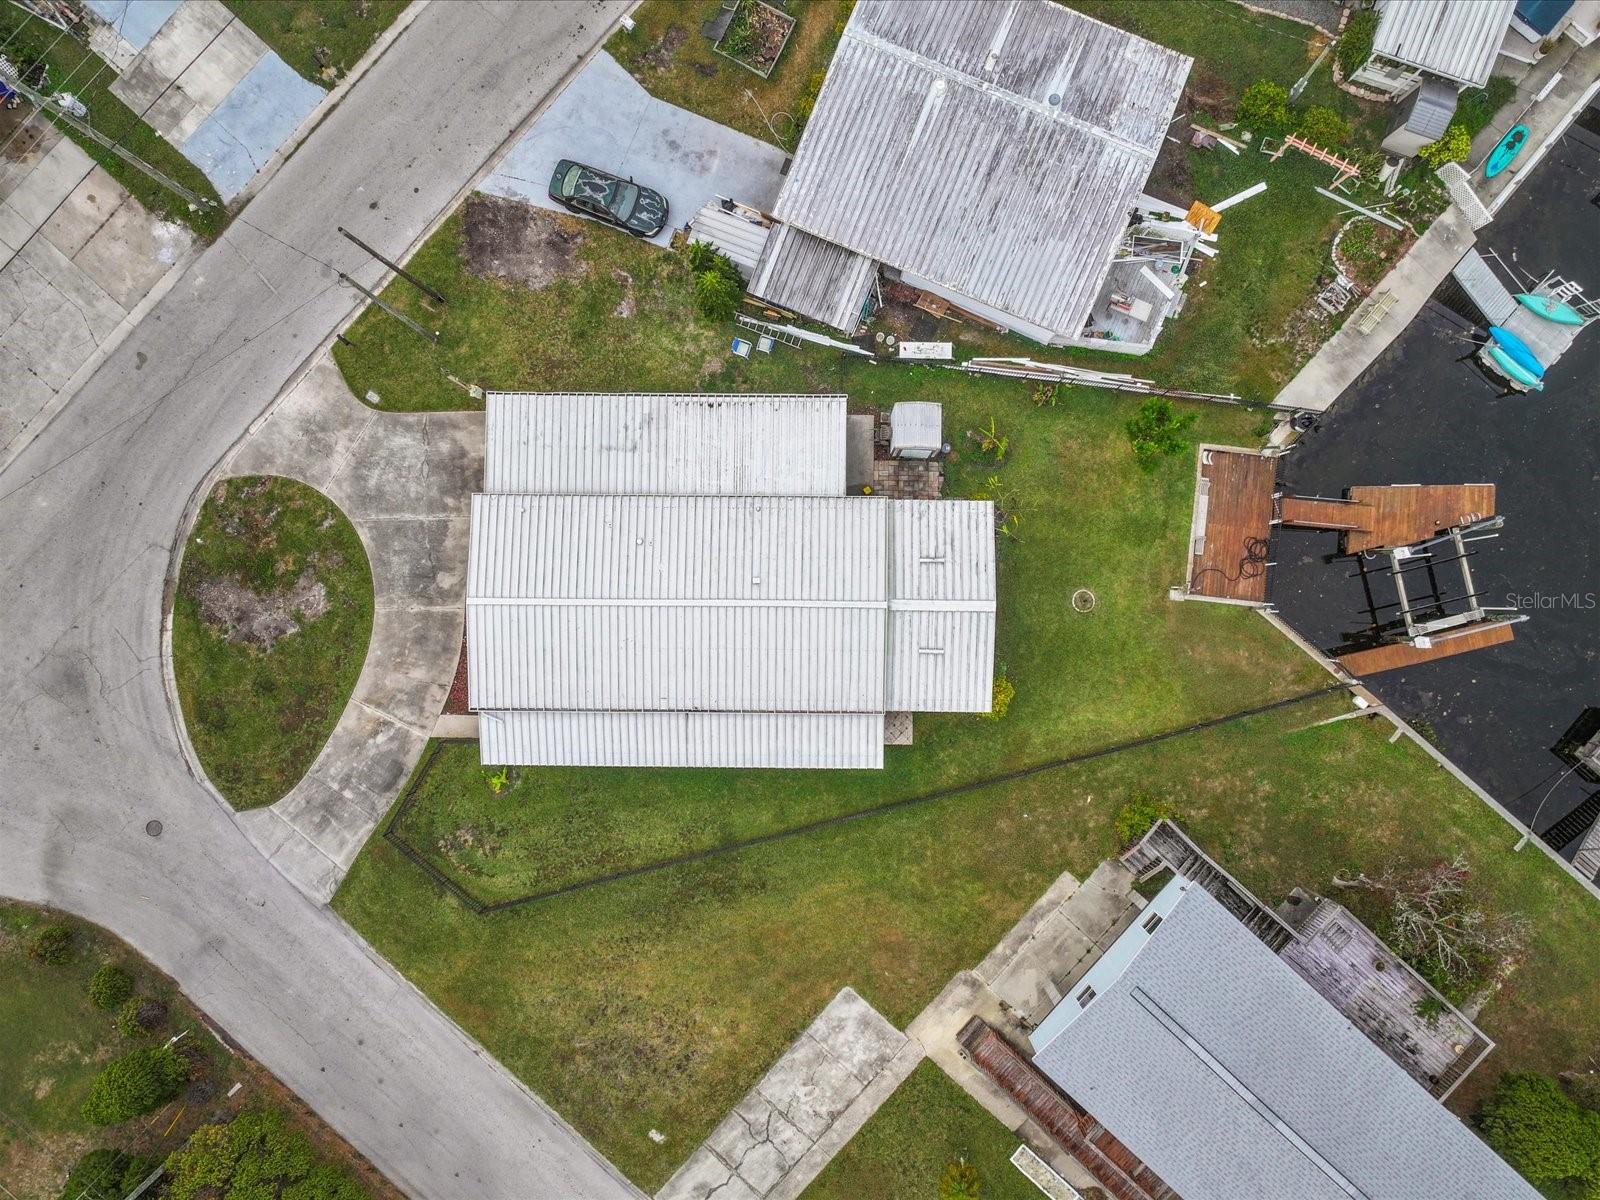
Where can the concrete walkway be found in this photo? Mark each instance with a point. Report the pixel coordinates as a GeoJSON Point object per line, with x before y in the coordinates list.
{"type": "Point", "coordinates": [1019, 982]}
{"type": "Point", "coordinates": [405, 481]}
{"type": "Point", "coordinates": [1579, 68]}
{"type": "Point", "coordinates": [607, 120]}
{"type": "Point", "coordinates": [1403, 292]}
{"type": "Point", "coordinates": [79, 257]}
{"type": "Point", "coordinates": [813, 1100]}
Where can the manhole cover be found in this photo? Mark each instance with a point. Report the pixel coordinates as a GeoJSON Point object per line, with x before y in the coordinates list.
{"type": "Point", "coordinates": [1083, 600]}
{"type": "Point", "coordinates": [153, 828]}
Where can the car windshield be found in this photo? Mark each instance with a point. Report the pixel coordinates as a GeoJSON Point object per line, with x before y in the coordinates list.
{"type": "Point", "coordinates": [569, 182]}
{"type": "Point", "coordinates": [623, 199]}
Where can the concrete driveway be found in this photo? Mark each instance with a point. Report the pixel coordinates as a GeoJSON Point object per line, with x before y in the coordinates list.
{"type": "Point", "coordinates": [88, 516]}
{"type": "Point", "coordinates": [607, 120]}
{"type": "Point", "coordinates": [78, 257]}
{"type": "Point", "coordinates": [405, 480]}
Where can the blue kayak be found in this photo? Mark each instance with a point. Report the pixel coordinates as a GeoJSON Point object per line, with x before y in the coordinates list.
{"type": "Point", "coordinates": [1512, 369]}
{"type": "Point", "coordinates": [1551, 309]}
{"type": "Point", "coordinates": [1508, 148]}
{"type": "Point", "coordinates": [1517, 350]}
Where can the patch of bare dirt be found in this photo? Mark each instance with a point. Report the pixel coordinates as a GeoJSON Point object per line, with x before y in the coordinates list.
{"type": "Point", "coordinates": [1209, 94]}
{"type": "Point", "coordinates": [661, 55]}
{"type": "Point", "coordinates": [629, 304]}
{"type": "Point", "coordinates": [507, 239]}
{"type": "Point", "coordinates": [247, 616]}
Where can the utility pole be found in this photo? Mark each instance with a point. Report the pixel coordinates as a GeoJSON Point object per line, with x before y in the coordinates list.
{"type": "Point", "coordinates": [393, 312]}
{"type": "Point", "coordinates": [395, 267]}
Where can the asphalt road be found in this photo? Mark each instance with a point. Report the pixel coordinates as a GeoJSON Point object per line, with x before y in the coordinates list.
{"type": "Point", "coordinates": [88, 514]}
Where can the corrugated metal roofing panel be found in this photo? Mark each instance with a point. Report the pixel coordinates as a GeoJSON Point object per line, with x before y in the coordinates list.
{"type": "Point", "coordinates": [661, 602]}
{"type": "Point", "coordinates": [1429, 108]}
{"type": "Point", "coordinates": [943, 551]}
{"type": "Point", "coordinates": [940, 661]}
{"type": "Point", "coordinates": [763, 550]}
{"type": "Point", "coordinates": [935, 147]}
{"type": "Point", "coordinates": [665, 444]}
{"type": "Point", "coordinates": [814, 278]}
{"type": "Point", "coordinates": [1255, 1069]}
{"type": "Point", "coordinates": [1454, 39]}
{"type": "Point", "coordinates": [682, 739]}
{"type": "Point", "coordinates": [740, 238]}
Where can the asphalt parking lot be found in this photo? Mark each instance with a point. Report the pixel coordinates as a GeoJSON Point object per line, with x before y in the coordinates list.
{"type": "Point", "coordinates": [1425, 413]}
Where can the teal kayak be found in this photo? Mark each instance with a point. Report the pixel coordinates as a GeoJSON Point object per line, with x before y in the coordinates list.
{"type": "Point", "coordinates": [1518, 351]}
{"type": "Point", "coordinates": [1512, 369]}
{"type": "Point", "coordinates": [1551, 309]}
{"type": "Point", "coordinates": [1509, 147]}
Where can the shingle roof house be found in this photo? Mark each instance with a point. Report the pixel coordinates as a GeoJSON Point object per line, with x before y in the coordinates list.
{"type": "Point", "coordinates": [988, 150]}
{"type": "Point", "coordinates": [641, 592]}
{"type": "Point", "coordinates": [1228, 1075]}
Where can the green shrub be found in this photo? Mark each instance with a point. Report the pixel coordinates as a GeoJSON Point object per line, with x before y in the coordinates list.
{"type": "Point", "coordinates": [1004, 691]}
{"type": "Point", "coordinates": [718, 286]}
{"type": "Point", "coordinates": [257, 1154]}
{"type": "Point", "coordinates": [1537, 1128]}
{"type": "Point", "coordinates": [716, 298]}
{"type": "Point", "coordinates": [109, 986]}
{"type": "Point", "coordinates": [1454, 146]}
{"type": "Point", "coordinates": [960, 1181]}
{"type": "Point", "coordinates": [1430, 1009]}
{"type": "Point", "coordinates": [139, 1015]}
{"type": "Point", "coordinates": [1321, 126]}
{"type": "Point", "coordinates": [135, 1083]}
{"type": "Point", "coordinates": [1134, 819]}
{"type": "Point", "coordinates": [1355, 43]}
{"type": "Point", "coordinates": [105, 1172]}
{"type": "Point", "coordinates": [1157, 430]}
{"type": "Point", "coordinates": [1478, 106]}
{"type": "Point", "coordinates": [1264, 106]}
{"type": "Point", "coordinates": [52, 945]}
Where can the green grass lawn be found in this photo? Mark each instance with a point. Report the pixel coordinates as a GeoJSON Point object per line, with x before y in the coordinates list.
{"type": "Point", "coordinates": [258, 714]}
{"type": "Point", "coordinates": [904, 1147]}
{"type": "Point", "coordinates": [655, 1002]}
{"type": "Point", "coordinates": [296, 29]}
{"type": "Point", "coordinates": [666, 53]}
{"type": "Point", "coordinates": [74, 68]}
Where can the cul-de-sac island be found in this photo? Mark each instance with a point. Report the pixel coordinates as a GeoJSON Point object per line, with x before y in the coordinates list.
{"type": "Point", "coordinates": [800, 599]}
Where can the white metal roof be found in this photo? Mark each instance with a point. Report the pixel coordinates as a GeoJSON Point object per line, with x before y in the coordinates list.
{"type": "Point", "coordinates": [665, 444]}
{"type": "Point", "coordinates": [813, 277]}
{"type": "Point", "coordinates": [779, 604]}
{"type": "Point", "coordinates": [992, 148]}
{"type": "Point", "coordinates": [681, 739]}
{"type": "Point", "coordinates": [1266, 1089]}
{"type": "Point", "coordinates": [916, 425]}
{"type": "Point", "coordinates": [1454, 39]}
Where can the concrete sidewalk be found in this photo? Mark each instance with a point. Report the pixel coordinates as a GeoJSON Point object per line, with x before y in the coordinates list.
{"type": "Point", "coordinates": [405, 481]}
{"type": "Point", "coordinates": [1398, 298]}
{"type": "Point", "coordinates": [813, 1101]}
{"type": "Point", "coordinates": [607, 120]}
{"type": "Point", "coordinates": [1579, 68]}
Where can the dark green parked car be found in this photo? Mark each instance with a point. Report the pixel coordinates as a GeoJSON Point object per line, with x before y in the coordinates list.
{"type": "Point", "coordinates": [591, 192]}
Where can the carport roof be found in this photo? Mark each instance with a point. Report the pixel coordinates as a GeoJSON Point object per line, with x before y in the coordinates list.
{"type": "Point", "coordinates": [993, 149]}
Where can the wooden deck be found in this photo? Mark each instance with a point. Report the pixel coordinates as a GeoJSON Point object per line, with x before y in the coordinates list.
{"type": "Point", "coordinates": [1355, 972]}
{"type": "Point", "coordinates": [1119, 1171]}
{"type": "Point", "coordinates": [1233, 520]}
{"type": "Point", "coordinates": [1403, 515]}
{"type": "Point", "coordinates": [1319, 512]}
{"type": "Point", "coordinates": [1402, 654]}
